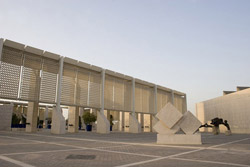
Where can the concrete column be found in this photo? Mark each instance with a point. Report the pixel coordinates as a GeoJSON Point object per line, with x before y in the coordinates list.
{"type": "Point", "coordinates": [142, 122]}
{"type": "Point", "coordinates": [73, 120]}
{"type": "Point", "coordinates": [172, 97]}
{"type": "Point", "coordinates": [59, 85]}
{"type": "Point", "coordinates": [23, 114]}
{"type": "Point", "coordinates": [58, 121]}
{"type": "Point", "coordinates": [155, 99]}
{"type": "Point", "coordinates": [6, 116]}
{"type": "Point", "coordinates": [45, 122]}
{"type": "Point", "coordinates": [103, 125]}
{"type": "Point", "coordinates": [41, 115]}
{"type": "Point", "coordinates": [116, 117]}
{"type": "Point", "coordinates": [153, 119]}
{"type": "Point", "coordinates": [81, 112]}
{"type": "Point", "coordinates": [107, 114]}
{"type": "Point", "coordinates": [134, 125]}
{"type": "Point", "coordinates": [103, 90]}
{"type": "Point", "coordinates": [31, 122]}
{"type": "Point", "coordinates": [133, 96]}
{"type": "Point", "coordinates": [184, 104]}
{"type": "Point", "coordinates": [122, 121]}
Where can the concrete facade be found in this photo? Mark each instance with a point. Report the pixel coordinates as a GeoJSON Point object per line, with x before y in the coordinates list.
{"type": "Point", "coordinates": [233, 107]}
{"type": "Point", "coordinates": [43, 77]}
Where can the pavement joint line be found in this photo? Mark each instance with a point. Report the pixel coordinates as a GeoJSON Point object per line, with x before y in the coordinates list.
{"type": "Point", "coordinates": [39, 152]}
{"type": "Point", "coordinates": [141, 144]}
{"type": "Point", "coordinates": [156, 159]}
{"type": "Point", "coordinates": [16, 144]}
{"type": "Point", "coordinates": [19, 163]}
{"type": "Point", "coordinates": [22, 139]}
{"type": "Point", "coordinates": [179, 154]}
{"type": "Point", "coordinates": [236, 141]}
{"type": "Point", "coordinates": [112, 147]}
{"type": "Point", "coordinates": [211, 162]}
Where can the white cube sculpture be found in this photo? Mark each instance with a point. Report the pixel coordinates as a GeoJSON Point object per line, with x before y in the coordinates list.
{"type": "Point", "coordinates": [171, 121]}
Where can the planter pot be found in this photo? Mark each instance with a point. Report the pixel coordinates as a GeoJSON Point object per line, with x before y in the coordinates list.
{"type": "Point", "coordinates": [89, 127]}
{"type": "Point", "coordinates": [23, 126]}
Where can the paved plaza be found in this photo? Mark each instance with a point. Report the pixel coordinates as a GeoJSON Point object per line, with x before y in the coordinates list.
{"type": "Point", "coordinates": [119, 149]}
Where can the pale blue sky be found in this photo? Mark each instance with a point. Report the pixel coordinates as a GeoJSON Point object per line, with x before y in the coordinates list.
{"type": "Point", "coordinates": [200, 47]}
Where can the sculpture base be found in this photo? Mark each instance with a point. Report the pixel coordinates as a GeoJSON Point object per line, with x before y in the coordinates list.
{"type": "Point", "coordinates": [179, 139]}
{"type": "Point", "coordinates": [228, 133]}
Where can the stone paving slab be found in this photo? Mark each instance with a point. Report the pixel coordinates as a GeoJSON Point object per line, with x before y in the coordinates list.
{"type": "Point", "coordinates": [5, 149]}
{"type": "Point", "coordinates": [155, 151]}
{"type": "Point", "coordinates": [179, 163]}
{"type": "Point", "coordinates": [121, 150]}
{"type": "Point", "coordinates": [227, 156]}
{"type": "Point", "coordinates": [7, 164]}
{"type": "Point", "coordinates": [4, 141]}
{"type": "Point", "coordinates": [102, 159]}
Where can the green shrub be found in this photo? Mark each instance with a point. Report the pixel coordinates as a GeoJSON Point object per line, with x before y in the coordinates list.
{"type": "Point", "coordinates": [88, 118]}
{"type": "Point", "coordinates": [15, 119]}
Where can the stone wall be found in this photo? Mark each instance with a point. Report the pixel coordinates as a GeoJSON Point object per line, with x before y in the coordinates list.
{"type": "Point", "coordinates": [5, 116]}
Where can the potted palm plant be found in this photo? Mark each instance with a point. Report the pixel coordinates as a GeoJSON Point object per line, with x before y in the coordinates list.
{"type": "Point", "coordinates": [88, 118]}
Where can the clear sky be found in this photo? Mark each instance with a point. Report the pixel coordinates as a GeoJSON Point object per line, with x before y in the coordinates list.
{"type": "Point", "coordinates": [200, 47]}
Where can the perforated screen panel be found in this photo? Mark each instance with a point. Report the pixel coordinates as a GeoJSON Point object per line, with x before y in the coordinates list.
{"type": "Point", "coordinates": [144, 99]}
{"type": "Point", "coordinates": [118, 94]}
{"type": "Point", "coordinates": [95, 90]}
{"type": "Point", "coordinates": [108, 92]}
{"type": "Point", "coordinates": [82, 87]}
{"type": "Point", "coordinates": [138, 98]}
{"type": "Point", "coordinates": [30, 83]}
{"type": "Point", "coordinates": [10, 72]}
{"type": "Point", "coordinates": [178, 102]}
{"type": "Point", "coordinates": [48, 86]}
{"type": "Point", "coordinates": [163, 98]}
{"type": "Point", "coordinates": [68, 84]}
{"type": "Point", "coordinates": [127, 95]}
{"type": "Point", "coordinates": [147, 99]}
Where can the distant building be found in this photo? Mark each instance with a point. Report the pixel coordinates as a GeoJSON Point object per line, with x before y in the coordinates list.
{"type": "Point", "coordinates": [233, 106]}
